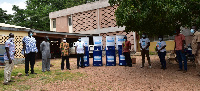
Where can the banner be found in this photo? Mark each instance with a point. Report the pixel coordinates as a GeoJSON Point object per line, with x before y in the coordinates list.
{"type": "Point", "coordinates": [85, 40]}
{"type": "Point", "coordinates": [110, 58]}
{"type": "Point", "coordinates": [97, 58]}
{"type": "Point", "coordinates": [97, 40]}
{"type": "Point", "coordinates": [119, 39]}
{"type": "Point", "coordinates": [110, 40]}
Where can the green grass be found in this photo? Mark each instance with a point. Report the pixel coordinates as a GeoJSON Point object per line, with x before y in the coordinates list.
{"type": "Point", "coordinates": [41, 77]}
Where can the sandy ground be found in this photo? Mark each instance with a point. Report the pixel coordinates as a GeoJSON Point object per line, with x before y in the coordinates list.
{"type": "Point", "coordinates": [120, 78]}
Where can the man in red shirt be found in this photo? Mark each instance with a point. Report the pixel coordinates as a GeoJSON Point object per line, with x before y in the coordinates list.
{"type": "Point", "coordinates": [126, 47]}
{"type": "Point", "coordinates": [179, 49]}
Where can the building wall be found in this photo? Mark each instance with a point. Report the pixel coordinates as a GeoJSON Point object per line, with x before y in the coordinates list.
{"type": "Point", "coordinates": [106, 17]}
{"type": "Point", "coordinates": [129, 37]}
{"type": "Point", "coordinates": [18, 40]}
{"type": "Point", "coordinates": [84, 21]}
{"type": "Point", "coordinates": [169, 47]}
{"type": "Point", "coordinates": [62, 24]}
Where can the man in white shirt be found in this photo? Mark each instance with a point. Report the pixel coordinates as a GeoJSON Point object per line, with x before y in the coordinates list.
{"type": "Point", "coordinates": [160, 48]}
{"type": "Point", "coordinates": [144, 46]}
{"type": "Point", "coordinates": [80, 51]}
{"type": "Point", "coordinates": [9, 56]}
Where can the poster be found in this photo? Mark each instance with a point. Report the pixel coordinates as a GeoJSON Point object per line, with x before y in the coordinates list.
{"type": "Point", "coordinates": [119, 39]}
{"type": "Point", "coordinates": [85, 40]}
{"type": "Point", "coordinates": [97, 58]}
{"type": "Point", "coordinates": [122, 57]}
{"type": "Point", "coordinates": [110, 58]}
{"type": "Point", "coordinates": [97, 40]}
{"type": "Point", "coordinates": [110, 40]}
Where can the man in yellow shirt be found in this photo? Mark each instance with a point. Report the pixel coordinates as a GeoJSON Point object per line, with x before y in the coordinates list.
{"type": "Point", "coordinates": [64, 47]}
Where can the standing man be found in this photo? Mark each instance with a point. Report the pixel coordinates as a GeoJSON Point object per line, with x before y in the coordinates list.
{"type": "Point", "coordinates": [64, 47]}
{"type": "Point", "coordinates": [9, 58]}
{"type": "Point", "coordinates": [30, 49]}
{"type": "Point", "coordinates": [80, 51]}
{"type": "Point", "coordinates": [45, 50]}
{"type": "Point", "coordinates": [196, 47]}
{"type": "Point", "coordinates": [160, 48]}
{"type": "Point", "coordinates": [126, 46]}
{"type": "Point", "coordinates": [179, 49]}
{"type": "Point", "coordinates": [144, 46]}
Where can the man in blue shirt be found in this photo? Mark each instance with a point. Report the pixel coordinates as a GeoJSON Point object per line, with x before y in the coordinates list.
{"type": "Point", "coordinates": [30, 49]}
{"type": "Point", "coordinates": [9, 57]}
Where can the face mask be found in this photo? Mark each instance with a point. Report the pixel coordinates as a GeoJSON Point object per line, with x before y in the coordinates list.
{"type": "Point", "coordinates": [31, 34]}
{"type": "Point", "coordinates": [79, 39]}
{"type": "Point", "coordinates": [124, 39]}
{"type": "Point", "coordinates": [160, 39]}
{"type": "Point", "coordinates": [192, 30]}
{"type": "Point", "coordinates": [12, 39]}
{"type": "Point", "coordinates": [143, 36]}
{"type": "Point", "coordinates": [64, 40]}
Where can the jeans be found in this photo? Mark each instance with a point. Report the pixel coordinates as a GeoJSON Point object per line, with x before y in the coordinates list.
{"type": "Point", "coordinates": [78, 60]}
{"type": "Point", "coordinates": [67, 62]}
{"type": "Point", "coordinates": [128, 58]}
{"type": "Point", "coordinates": [181, 57]}
{"type": "Point", "coordinates": [162, 59]}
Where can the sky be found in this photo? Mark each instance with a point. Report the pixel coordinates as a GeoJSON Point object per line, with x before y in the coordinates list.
{"type": "Point", "coordinates": [7, 5]}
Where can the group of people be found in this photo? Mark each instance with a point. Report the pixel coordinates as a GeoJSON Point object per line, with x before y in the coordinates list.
{"type": "Point", "coordinates": [179, 49]}
{"type": "Point", "coordinates": [30, 50]}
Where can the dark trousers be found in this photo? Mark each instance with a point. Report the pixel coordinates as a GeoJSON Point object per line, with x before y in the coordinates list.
{"type": "Point", "coordinates": [143, 53]}
{"type": "Point", "coordinates": [67, 62]}
{"type": "Point", "coordinates": [78, 59]}
{"type": "Point", "coordinates": [128, 58]}
{"type": "Point", "coordinates": [30, 57]}
{"type": "Point", "coordinates": [181, 57]}
{"type": "Point", "coordinates": [162, 59]}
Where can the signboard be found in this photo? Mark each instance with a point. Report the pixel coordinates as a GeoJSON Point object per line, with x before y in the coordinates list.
{"type": "Point", "coordinates": [122, 57]}
{"type": "Point", "coordinates": [97, 58]}
{"type": "Point", "coordinates": [110, 58]}
{"type": "Point", "coordinates": [97, 40]}
{"type": "Point", "coordinates": [85, 58]}
{"type": "Point", "coordinates": [119, 39]}
{"type": "Point", "coordinates": [85, 40]}
{"type": "Point", "coordinates": [110, 40]}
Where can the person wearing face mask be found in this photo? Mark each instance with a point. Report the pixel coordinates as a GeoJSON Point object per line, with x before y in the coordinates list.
{"type": "Point", "coordinates": [144, 46]}
{"type": "Point", "coordinates": [8, 59]}
{"type": "Point", "coordinates": [45, 50]}
{"type": "Point", "coordinates": [126, 47]}
{"type": "Point", "coordinates": [30, 50]}
{"type": "Point", "coordinates": [80, 51]}
{"type": "Point", "coordinates": [64, 48]}
{"type": "Point", "coordinates": [179, 50]}
{"type": "Point", "coordinates": [196, 47]}
{"type": "Point", "coordinates": [160, 48]}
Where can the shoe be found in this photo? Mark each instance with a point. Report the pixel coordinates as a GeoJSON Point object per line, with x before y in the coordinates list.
{"type": "Point", "coordinates": [27, 74]}
{"type": "Point", "coordinates": [77, 67]}
{"type": "Point", "coordinates": [130, 66]}
{"type": "Point", "coordinates": [82, 66]}
{"type": "Point", "coordinates": [6, 83]}
{"type": "Point", "coordinates": [43, 71]}
{"type": "Point", "coordinates": [180, 70]}
{"type": "Point", "coordinates": [162, 67]}
{"type": "Point", "coordinates": [69, 69]}
{"type": "Point", "coordinates": [33, 73]}
{"type": "Point", "coordinates": [142, 67]}
{"type": "Point", "coordinates": [11, 81]}
{"type": "Point", "coordinates": [184, 71]}
{"type": "Point", "coordinates": [48, 70]}
{"type": "Point", "coordinates": [150, 67]}
{"type": "Point", "coordinates": [62, 69]}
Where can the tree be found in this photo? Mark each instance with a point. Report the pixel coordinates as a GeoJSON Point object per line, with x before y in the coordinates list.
{"type": "Point", "coordinates": [156, 17]}
{"type": "Point", "coordinates": [4, 18]}
{"type": "Point", "coordinates": [36, 14]}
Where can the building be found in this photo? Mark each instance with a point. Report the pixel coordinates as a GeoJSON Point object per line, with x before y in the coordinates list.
{"type": "Point", "coordinates": [95, 18]}
{"type": "Point", "coordinates": [21, 32]}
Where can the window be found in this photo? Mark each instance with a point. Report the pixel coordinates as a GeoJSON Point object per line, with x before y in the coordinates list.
{"type": "Point", "coordinates": [69, 20]}
{"type": "Point", "coordinates": [54, 23]}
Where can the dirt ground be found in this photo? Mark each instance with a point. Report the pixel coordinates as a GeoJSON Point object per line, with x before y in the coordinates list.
{"type": "Point", "coordinates": [120, 78]}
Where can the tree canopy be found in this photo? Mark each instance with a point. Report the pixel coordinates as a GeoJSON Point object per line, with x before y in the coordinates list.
{"type": "Point", "coordinates": [156, 17]}
{"type": "Point", "coordinates": [5, 18]}
{"type": "Point", "coordinates": [36, 14]}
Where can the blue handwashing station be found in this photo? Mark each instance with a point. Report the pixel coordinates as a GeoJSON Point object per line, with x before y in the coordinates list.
{"type": "Point", "coordinates": [110, 51]}
{"type": "Point", "coordinates": [119, 41]}
{"type": "Point", "coordinates": [86, 56]}
{"type": "Point", "coordinates": [97, 53]}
